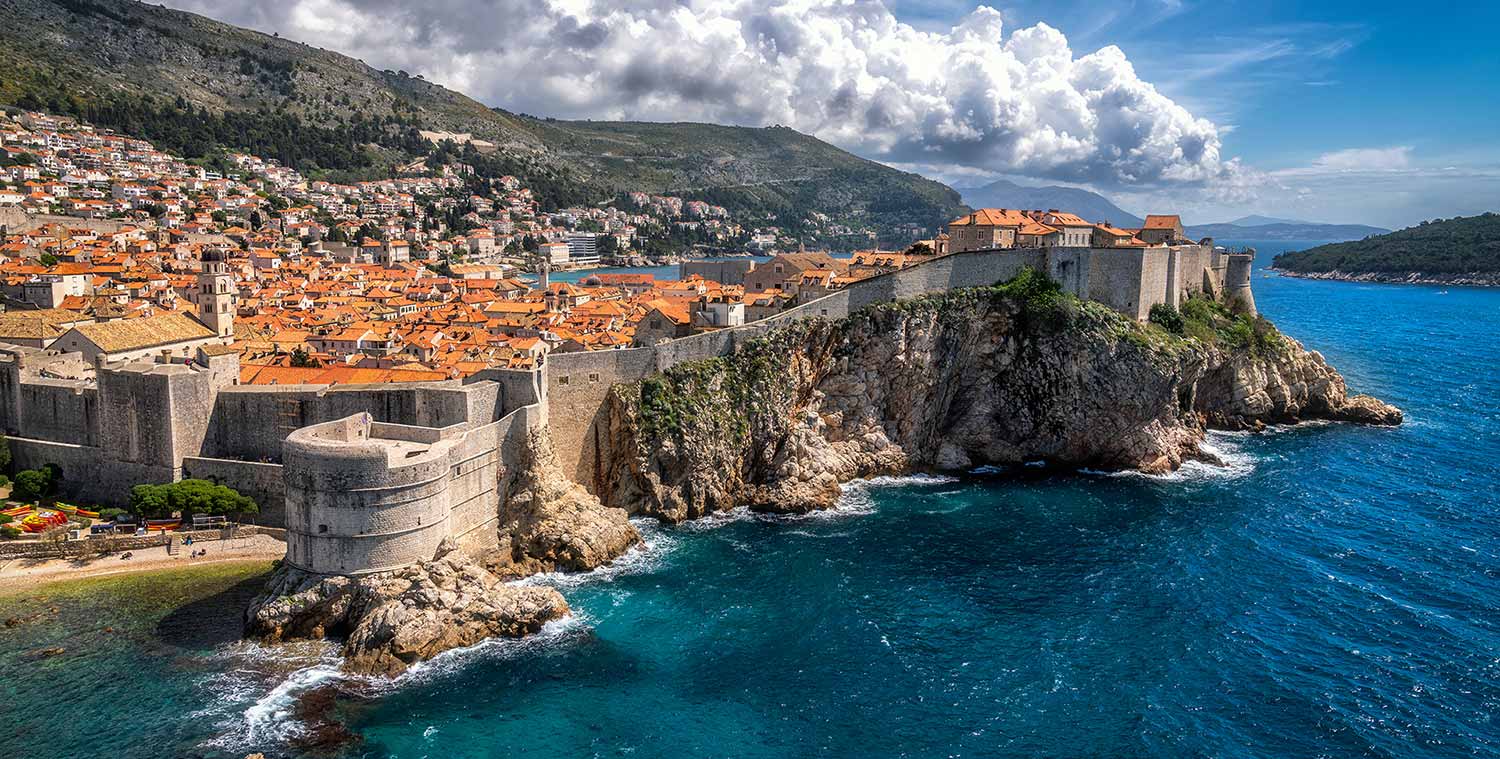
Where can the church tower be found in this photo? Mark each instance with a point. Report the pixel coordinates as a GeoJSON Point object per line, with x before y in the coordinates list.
{"type": "Point", "coordinates": [216, 294]}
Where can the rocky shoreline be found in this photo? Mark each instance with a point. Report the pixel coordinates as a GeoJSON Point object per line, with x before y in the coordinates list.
{"type": "Point", "coordinates": [971, 378]}
{"type": "Point", "coordinates": [1472, 279]}
{"type": "Point", "coordinates": [989, 376]}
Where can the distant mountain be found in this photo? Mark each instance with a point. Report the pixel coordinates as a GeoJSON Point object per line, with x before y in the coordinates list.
{"type": "Point", "coordinates": [1283, 231]}
{"type": "Point", "coordinates": [197, 87]}
{"type": "Point", "coordinates": [1461, 249]}
{"type": "Point", "coordinates": [1261, 221]}
{"type": "Point", "coordinates": [1090, 205]}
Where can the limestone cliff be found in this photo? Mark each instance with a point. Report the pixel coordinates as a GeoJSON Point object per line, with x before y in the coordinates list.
{"type": "Point", "coordinates": [1002, 376]}
{"type": "Point", "coordinates": [548, 522]}
{"type": "Point", "coordinates": [390, 620]}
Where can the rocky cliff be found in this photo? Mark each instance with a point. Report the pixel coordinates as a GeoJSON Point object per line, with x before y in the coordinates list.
{"type": "Point", "coordinates": [390, 620]}
{"type": "Point", "coordinates": [1000, 376]}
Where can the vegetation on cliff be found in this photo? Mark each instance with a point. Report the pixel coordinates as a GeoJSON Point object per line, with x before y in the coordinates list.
{"type": "Point", "coordinates": [1457, 246]}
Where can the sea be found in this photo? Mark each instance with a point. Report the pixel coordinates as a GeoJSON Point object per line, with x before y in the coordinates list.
{"type": "Point", "coordinates": [1332, 591]}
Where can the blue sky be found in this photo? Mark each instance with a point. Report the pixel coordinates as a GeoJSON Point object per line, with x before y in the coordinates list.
{"type": "Point", "coordinates": [1290, 82]}
{"type": "Point", "coordinates": [1340, 111]}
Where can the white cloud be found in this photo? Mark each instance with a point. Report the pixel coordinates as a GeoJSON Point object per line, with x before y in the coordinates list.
{"type": "Point", "coordinates": [847, 71]}
{"type": "Point", "coordinates": [1364, 159]}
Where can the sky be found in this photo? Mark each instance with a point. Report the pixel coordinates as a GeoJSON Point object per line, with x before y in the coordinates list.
{"type": "Point", "coordinates": [1337, 111]}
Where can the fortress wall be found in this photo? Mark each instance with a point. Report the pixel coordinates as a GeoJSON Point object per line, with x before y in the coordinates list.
{"type": "Point", "coordinates": [356, 505]}
{"type": "Point", "coordinates": [250, 422]}
{"type": "Point", "coordinates": [474, 503]}
{"type": "Point", "coordinates": [64, 411]}
{"type": "Point", "coordinates": [1115, 279]}
{"type": "Point", "coordinates": [517, 388]}
{"type": "Point", "coordinates": [577, 384]}
{"type": "Point", "coordinates": [88, 474]}
{"type": "Point", "coordinates": [261, 482]}
{"type": "Point", "coordinates": [727, 272]}
{"type": "Point", "coordinates": [135, 415]}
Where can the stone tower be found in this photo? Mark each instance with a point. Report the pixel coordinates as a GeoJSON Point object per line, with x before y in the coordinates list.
{"type": "Point", "coordinates": [216, 294]}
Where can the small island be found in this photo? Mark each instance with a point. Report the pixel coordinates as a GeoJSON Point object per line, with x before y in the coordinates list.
{"type": "Point", "coordinates": [1457, 251]}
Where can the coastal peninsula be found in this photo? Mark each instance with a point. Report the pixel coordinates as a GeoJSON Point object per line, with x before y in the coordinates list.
{"type": "Point", "coordinates": [1456, 251]}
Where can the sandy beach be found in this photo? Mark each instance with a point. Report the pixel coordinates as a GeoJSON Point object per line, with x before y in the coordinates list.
{"type": "Point", "coordinates": [21, 574]}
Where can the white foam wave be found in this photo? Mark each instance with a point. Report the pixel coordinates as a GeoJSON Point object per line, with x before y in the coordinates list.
{"type": "Point", "coordinates": [1227, 447]}
{"type": "Point", "coordinates": [646, 557]}
{"type": "Point", "coordinates": [254, 699]}
{"type": "Point", "coordinates": [554, 636]}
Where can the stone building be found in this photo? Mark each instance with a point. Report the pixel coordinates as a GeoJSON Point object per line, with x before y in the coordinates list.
{"type": "Point", "coordinates": [169, 334]}
{"type": "Point", "coordinates": [985, 229]}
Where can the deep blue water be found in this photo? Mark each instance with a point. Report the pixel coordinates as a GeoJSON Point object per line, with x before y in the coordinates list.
{"type": "Point", "coordinates": [1335, 592]}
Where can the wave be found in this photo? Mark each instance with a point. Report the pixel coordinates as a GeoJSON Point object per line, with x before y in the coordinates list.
{"type": "Point", "coordinates": [555, 636]}
{"type": "Point", "coordinates": [1227, 447]}
{"type": "Point", "coordinates": [254, 699]}
{"type": "Point", "coordinates": [646, 557]}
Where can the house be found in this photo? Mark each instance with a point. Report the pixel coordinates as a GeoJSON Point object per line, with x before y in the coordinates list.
{"type": "Point", "coordinates": [39, 328]}
{"type": "Point", "coordinates": [784, 271]}
{"type": "Point", "coordinates": [169, 334]}
{"type": "Point", "coordinates": [985, 229]}
{"type": "Point", "coordinates": [1162, 229]}
{"type": "Point", "coordinates": [1109, 237]}
{"type": "Point", "coordinates": [663, 320]}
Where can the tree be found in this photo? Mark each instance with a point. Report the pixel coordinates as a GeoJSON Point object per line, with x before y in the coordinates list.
{"type": "Point", "coordinates": [4, 452]}
{"type": "Point", "coordinates": [47, 259]}
{"type": "Point", "coordinates": [301, 358]}
{"type": "Point", "coordinates": [189, 497]}
{"type": "Point", "coordinates": [33, 484]}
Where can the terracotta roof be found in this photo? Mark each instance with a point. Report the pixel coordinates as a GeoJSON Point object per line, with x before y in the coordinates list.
{"type": "Point", "coordinates": [134, 334]}
{"type": "Point", "coordinates": [991, 217]}
{"type": "Point", "coordinates": [1162, 221]}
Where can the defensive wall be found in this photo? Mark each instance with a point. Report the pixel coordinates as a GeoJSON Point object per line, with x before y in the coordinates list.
{"type": "Point", "coordinates": [373, 477]}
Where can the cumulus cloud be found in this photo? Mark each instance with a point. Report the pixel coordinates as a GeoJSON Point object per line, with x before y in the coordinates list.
{"type": "Point", "coordinates": [977, 96]}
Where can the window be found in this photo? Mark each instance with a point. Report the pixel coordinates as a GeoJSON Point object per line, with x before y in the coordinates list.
{"type": "Point", "coordinates": [322, 528]}
{"type": "Point", "coordinates": [656, 324]}
{"type": "Point", "coordinates": [593, 376]}
{"type": "Point", "coordinates": [563, 380]}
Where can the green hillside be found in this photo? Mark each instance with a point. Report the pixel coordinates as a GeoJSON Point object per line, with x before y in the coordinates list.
{"type": "Point", "coordinates": [198, 86]}
{"type": "Point", "coordinates": [1461, 245]}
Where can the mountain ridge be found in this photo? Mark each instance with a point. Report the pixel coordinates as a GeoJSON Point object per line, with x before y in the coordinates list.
{"type": "Point", "coordinates": [196, 85]}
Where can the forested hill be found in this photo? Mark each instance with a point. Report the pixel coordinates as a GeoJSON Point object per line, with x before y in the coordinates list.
{"type": "Point", "coordinates": [199, 87]}
{"type": "Point", "coordinates": [1438, 249]}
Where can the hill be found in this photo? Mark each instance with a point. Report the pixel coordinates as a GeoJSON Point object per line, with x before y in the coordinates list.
{"type": "Point", "coordinates": [1283, 230]}
{"type": "Point", "coordinates": [1460, 250]}
{"type": "Point", "coordinates": [198, 87]}
{"type": "Point", "coordinates": [1255, 220]}
{"type": "Point", "coordinates": [1090, 205]}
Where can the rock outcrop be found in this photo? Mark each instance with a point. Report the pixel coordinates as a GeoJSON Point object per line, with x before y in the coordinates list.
{"type": "Point", "coordinates": [391, 620]}
{"type": "Point", "coordinates": [992, 376]}
{"type": "Point", "coordinates": [549, 523]}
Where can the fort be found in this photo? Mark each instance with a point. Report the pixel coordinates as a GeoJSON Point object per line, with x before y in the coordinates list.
{"type": "Point", "coordinates": [371, 478]}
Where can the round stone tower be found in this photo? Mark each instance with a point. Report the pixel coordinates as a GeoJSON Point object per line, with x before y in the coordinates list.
{"type": "Point", "coordinates": [364, 497]}
{"type": "Point", "coordinates": [1237, 282]}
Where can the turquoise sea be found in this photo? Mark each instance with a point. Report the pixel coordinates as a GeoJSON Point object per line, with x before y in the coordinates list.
{"type": "Point", "coordinates": [1333, 592]}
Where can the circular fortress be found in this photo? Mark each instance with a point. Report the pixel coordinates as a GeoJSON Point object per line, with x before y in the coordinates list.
{"type": "Point", "coordinates": [364, 496]}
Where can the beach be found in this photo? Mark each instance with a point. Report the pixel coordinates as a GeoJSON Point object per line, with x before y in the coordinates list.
{"type": "Point", "coordinates": [19, 575]}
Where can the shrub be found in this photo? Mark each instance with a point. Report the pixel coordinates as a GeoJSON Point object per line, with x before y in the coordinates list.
{"type": "Point", "coordinates": [1167, 318]}
{"type": "Point", "coordinates": [6, 519]}
{"type": "Point", "coordinates": [9, 533]}
{"type": "Point", "coordinates": [108, 515]}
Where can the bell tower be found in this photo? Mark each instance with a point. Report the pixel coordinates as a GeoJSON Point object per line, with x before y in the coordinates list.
{"type": "Point", "coordinates": [216, 294]}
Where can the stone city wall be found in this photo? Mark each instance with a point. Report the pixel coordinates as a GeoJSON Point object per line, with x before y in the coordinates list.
{"type": "Point", "coordinates": [261, 482]}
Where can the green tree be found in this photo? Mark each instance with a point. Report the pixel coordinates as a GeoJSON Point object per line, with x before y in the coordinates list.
{"type": "Point", "coordinates": [301, 358]}
{"type": "Point", "coordinates": [4, 452]}
{"type": "Point", "coordinates": [34, 484]}
{"type": "Point", "coordinates": [189, 497]}
{"type": "Point", "coordinates": [47, 259]}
